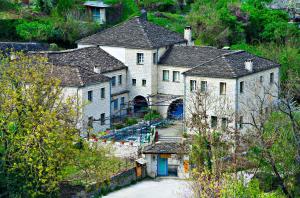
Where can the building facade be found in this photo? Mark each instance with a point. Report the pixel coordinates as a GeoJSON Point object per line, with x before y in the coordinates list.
{"type": "Point", "coordinates": [143, 65]}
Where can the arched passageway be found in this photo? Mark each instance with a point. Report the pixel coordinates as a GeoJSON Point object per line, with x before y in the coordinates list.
{"type": "Point", "coordinates": [175, 110]}
{"type": "Point", "coordinates": [140, 104]}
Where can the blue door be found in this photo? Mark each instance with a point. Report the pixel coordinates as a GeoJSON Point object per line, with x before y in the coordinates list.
{"type": "Point", "coordinates": [162, 166]}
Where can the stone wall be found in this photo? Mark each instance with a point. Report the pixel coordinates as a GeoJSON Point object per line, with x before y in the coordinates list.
{"type": "Point", "coordinates": [117, 181]}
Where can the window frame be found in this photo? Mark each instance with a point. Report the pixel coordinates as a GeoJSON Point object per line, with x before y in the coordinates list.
{"type": "Point", "coordinates": [113, 81]}
{"type": "Point", "coordinates": [102, 119]}
{"type": "Point", "coordinates": [271, 77]}
{"type": "Point", "coordinates": [115, 104]}
{"type": "Point", "coordinates": [163, 77]}
{"type": "Point", "coordinates": [242, 84]}
{"type": "Point", "coordinates": [193, 85]}
{"type": "Point", "coordinates": [122, 102]}
{"type": "Point", "coordinates": [215, 119]}
{"type": "Point", "coordinates": [261, 79]}
{"type": "Point", "coordinates": [155, 58]}
{"type": "Point", "coordinates": [133, 82]}
{"type": "Point", "coordinates": [144, 82]}
{"type": "Point", "coordinates": [140, 59]}
{"type": "Point", "coordinates": [90, 95]}
{"type": "Point", "coordinates": [120, 79]}
{"type": "Point", "coordinates": [102, 93]}
{"type": "Point", "coordinates": [203, 82]}
{"type": "Point", "coordinates": [223, 91]}
{"type": "Point", "coordinates": [173, 75]}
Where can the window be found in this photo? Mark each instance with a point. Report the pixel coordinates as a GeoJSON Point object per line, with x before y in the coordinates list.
{"type": "Point", "coordinates": [214, 121]}
{"type": "Point", "coordinates": [193, 85]}
{"type": "Point", "coordinates": [122, 103]}
{"type": "Point", "coordinates": [242, 87]}
{"type": "Point", "coordinates": [203, 86]}
{"type": "Point", "coordinates": [144, 82]}
{"type": "Point", "coordinates": [140, 58]}
{"type": "Point", "coordinates": [90, 96]}
{"type": "Point", "coordinates": [165, 75]}
{"type": "Point", "coordinates": [90, 122]}
{"type": "Point", "coordinates": [241, 122]}
{"type": "Point", "coordinates": [222, 88]}
{"type": "Point", "coordinates": [102, 93]}
{"type": "Point", "coordinates": [176, 76]}
{"type": "Point", "coordinates": [261, 79]}
{"type": "Point", "coordinates": [266, 110]}
{"type": "Point", "coordinates": [115, 103]}
{"type": "Point", "coordinates": [102, 119]}
{"type": "Point", "coordinates": [154, 58]}
{"type": "Point", "coordinates": [133, 82]}
{"type": "Point", "coordinates": [113, 81]}
{"type": "Point", "coordinates": [96, 15]}
{"type": "Point", "coordinates": [224, 123]}
{"type": "Point", "coordinates": [120, 78]}
{"type": "Point", "coordinates": [272, 77]}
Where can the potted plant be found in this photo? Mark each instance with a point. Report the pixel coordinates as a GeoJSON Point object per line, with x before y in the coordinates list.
{"type": "Point", "coordinates": [122, 142]}
{"type": "Point", "coordinates": [104, 140]}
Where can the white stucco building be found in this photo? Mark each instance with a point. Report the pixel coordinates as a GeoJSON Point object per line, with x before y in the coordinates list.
{"type": "Point", "coordinates": [136, 64]}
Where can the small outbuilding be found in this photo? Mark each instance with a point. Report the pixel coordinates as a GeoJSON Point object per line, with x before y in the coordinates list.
{"type": "Point", "coordinates": [97, 10]}
{"type": "Point", "coordinates": [167, 159]}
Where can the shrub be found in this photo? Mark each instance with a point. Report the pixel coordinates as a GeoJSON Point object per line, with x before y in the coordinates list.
{"type": "Point", "coordinates": [131, 121]}
{"type": "Point", "coordinates": [152, 115]}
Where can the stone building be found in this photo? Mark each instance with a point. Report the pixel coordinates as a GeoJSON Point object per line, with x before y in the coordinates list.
{"type": "Point", "coordinates": [167, 159]}
{"type": "Point", "coordinates": [164, 69]}
{"type": "Point", "coordinates": [136, 64]}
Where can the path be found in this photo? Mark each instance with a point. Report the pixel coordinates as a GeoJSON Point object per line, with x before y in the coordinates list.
{"type": "Point", "coordinates": [160, 188]}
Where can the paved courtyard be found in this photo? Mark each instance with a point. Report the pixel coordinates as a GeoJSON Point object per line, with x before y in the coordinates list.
{"type": "Point", "coordinates": [175, 129]}
{"type": "Point", "coordinates": [160, 188]}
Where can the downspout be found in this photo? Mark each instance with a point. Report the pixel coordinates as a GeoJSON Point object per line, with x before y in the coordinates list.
{"type": "Point", "coordinates": [110, 97]}
{"type": "Point", "coordinates": [236, 102]}
{"type": "Point", "coordinates": [184, 103]}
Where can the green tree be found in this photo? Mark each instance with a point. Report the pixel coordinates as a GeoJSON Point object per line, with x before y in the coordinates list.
{"type": "Point", "coordinates": [35, 30]}
{"type": "Point", "coordinates": [37, 128]}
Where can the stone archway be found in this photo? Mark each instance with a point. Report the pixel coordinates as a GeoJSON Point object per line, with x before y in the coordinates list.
{"type": "Point", "coordinates": [175, 110]}
{"type": "Point", "coordinates": [140, 104]}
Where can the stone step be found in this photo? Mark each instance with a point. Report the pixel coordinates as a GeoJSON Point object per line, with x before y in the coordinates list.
{"type": "Point", "coordinates": [169, 138]}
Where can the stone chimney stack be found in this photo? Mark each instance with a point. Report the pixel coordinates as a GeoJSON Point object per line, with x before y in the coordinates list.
{"type": "Point", "coordinates": [97, 70]}
{"type": "Point", "coordinates": [188, 35]}
{"type": "Point", "coordinates": [249, 65]}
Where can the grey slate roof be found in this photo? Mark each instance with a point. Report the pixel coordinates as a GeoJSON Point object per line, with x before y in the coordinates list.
{"type": "Point", "coordinates": [136, 33]}
{"type": "Point", "coordinates": [76, 67]}
{"type": "Point", "coordinates": [23, 46]}
{"type": "Point", "coordinates": [73, 76]}
{"type": "Point", "coordinates": [166, 148]}
{"type": "Point", "coordinates": [190, 56]}
{"type": "Point", "coordinates": [231, 65]}
{"type": "Point", "coordinates": [88, 57]}
{"type": "Point", "coordinates": [98, 4]}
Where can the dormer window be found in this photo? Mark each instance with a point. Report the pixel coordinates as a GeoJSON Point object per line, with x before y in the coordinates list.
{"type": "Point", "coordinates": [140, 58]}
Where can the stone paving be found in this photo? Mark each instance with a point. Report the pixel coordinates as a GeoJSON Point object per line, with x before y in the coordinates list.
{"type": "Point", "coordinates": [158, 188]}
{"type": "Point", "coordinates": [176, 129]}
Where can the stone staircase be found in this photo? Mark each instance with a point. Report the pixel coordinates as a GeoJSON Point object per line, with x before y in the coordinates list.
{"type": "Point", "coordinates": [169, 138]}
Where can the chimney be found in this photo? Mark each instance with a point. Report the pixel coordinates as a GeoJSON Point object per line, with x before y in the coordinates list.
{"type": "Point", "coordinates": [97, 70]}
{"type": "Point", "coordinates": [188, 35]}
{"type": "Point", "coordinates": [249, 65]}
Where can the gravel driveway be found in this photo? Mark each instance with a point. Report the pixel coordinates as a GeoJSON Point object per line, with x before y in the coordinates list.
{"type": "Point", "coordinates": [158, 188]}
